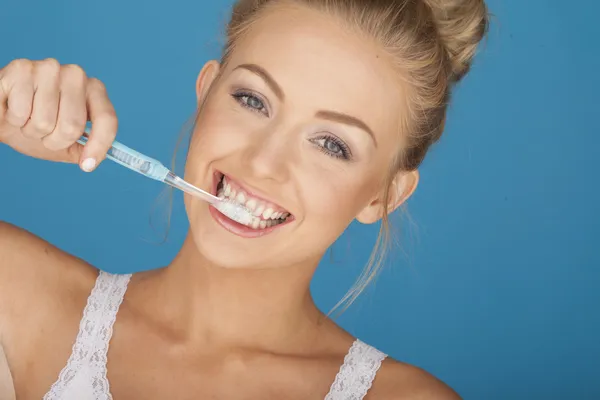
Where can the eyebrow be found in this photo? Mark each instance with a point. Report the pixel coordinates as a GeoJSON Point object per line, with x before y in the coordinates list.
{"type": "Point", "coordinates": [346, 119]}
{"type": "Point", "coordinates": [323, 114]}
{"type": "Point", "coordinates": [260, 71]}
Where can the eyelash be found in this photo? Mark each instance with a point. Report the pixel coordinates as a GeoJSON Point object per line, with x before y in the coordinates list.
{"type": "Point", "coordinates": [239, 97]}
{"type": "Point", "coordinates": [345, 150]}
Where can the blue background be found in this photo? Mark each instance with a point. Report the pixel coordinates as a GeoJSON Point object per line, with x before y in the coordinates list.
{"type": "Point", "coordinates": [495, 286]}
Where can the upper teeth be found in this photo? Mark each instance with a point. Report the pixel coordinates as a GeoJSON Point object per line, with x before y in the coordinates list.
{"type": "Point", "coordinates": [257, 207]}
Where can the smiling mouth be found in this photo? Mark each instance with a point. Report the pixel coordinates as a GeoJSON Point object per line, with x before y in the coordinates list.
{"type": "Point", "coordinates": [265, 215]}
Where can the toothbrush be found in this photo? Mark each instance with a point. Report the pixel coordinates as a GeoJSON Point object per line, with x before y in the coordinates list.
{"type": "Point", "coordinates": [154, 169]}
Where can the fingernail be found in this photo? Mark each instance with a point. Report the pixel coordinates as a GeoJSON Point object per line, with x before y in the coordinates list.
{"type": "Point", "coordinates": [88, 164]}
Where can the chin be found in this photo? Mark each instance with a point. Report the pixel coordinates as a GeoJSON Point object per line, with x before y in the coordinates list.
{"type": "Point", "coordinates": [221, 248]}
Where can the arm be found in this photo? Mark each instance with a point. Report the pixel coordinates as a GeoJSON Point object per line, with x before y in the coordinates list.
{"type": "Point", "coordinates": [7, 389]}
{"type": "Point", "coordinates": [399, 381]}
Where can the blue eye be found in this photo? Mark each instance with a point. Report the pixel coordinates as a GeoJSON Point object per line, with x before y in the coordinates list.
{"type": "Point", "coordinates": [333, 147]}
{"type": "Point", "coordinates": [250, 101]}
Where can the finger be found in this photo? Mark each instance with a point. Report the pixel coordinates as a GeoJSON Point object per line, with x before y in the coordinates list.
{"type": "Point", "coordinates": [45, 101]}
{"type": "Point", "coordinates": [72, 113]}
{"type": "Point", "coordinates": [104, 125]}
{"type": "Point", "coordinates": [3, 95]}
{"type": "Point", "coordinates": [17, 91]}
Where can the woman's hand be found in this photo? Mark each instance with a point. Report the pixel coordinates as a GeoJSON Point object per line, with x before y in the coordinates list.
{"type": "Point", "coordinates": [44, 107]}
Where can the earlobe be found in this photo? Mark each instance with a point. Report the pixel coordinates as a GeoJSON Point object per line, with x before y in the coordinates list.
{"type": "Point", "coordinates": [206, 78]}
{"type": "Point", "coordinates": [401, 188]}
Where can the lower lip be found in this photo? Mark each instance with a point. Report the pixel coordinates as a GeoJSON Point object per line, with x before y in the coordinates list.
{"type": "Point", "coordinates": [237, 228]}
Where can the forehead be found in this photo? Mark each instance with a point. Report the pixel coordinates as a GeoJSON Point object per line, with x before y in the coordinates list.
{"type": "Point", "coordinates": [320, 64]}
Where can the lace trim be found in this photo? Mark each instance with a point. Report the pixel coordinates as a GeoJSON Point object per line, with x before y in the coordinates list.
{"type": "Point", "coordinates": [95, 331]}
{"type": "Point", "coordinates": [356, 375]}
{"type": "Point", "coordinates": [99, 360]}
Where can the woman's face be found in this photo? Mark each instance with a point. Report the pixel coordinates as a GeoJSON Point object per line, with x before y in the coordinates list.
{"type": "Point", "coordinates": [301, 125]}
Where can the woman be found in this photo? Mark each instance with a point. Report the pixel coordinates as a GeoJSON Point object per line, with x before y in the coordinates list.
{"type": "Point", "coordinates": [319, 113]}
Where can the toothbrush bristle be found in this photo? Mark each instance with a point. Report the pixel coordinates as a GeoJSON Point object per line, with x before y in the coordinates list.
{"type": "Point", "coordinates": [242, 217]}
{"type": "Point", "coordinates": [236, 212]}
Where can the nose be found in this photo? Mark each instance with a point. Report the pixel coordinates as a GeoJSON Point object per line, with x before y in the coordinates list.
{"type": "Point", "coordinates": [268, 155]}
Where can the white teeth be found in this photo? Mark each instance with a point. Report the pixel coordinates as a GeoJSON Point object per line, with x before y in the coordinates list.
{"type": "Point", "coordinates": [240, 198]}
{"type": "Point", "coordinates": [267, 213]}
{"type": "Point", "coordinates": [251, 205]}
{"type": "Point", "coordinates": [265, 216]}
{"type": "Point", "coordinates": [259, 210]}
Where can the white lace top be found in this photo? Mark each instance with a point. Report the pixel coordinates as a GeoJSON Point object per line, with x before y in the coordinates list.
{"type": "Point", "coordinates": [84, 376]}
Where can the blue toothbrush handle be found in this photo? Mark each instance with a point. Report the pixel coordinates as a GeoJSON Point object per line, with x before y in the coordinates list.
{"type": "Point", "coordinates": [151, 168]}
{"type": "Point", "coordinates": [133, 160]}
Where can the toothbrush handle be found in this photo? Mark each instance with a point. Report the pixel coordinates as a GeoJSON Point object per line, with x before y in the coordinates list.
{"type": "Point", "coordinates": [151, 168]}
{"type": "Point", "coordinates": [133, 160]}
{"type": "Point", "coordinates": [178, 183]}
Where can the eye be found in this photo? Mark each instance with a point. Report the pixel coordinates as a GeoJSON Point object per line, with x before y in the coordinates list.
{"type": "Point", "coordinates": [250, 101]}
{"type": "Point", "coordinates": [333, 147]}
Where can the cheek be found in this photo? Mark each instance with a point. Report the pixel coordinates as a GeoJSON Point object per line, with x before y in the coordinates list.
{"type": "Point", "coordinates": [220, 130]}
{"type": "Point", "coordinates": [336, 199]}
{"type": "Point", "coordinates": [216, 135]}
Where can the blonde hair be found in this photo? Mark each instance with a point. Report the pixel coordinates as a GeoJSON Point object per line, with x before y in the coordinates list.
{"type": "Point", "coordinates": [432, 43]}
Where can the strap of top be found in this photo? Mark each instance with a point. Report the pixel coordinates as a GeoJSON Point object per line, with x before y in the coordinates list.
{"type": "Point", "coordinates": [95, 332]}
{"type": "Point", "coordinates": [111, 290]}
{"type": "Point", "coordinates": [356, 375]}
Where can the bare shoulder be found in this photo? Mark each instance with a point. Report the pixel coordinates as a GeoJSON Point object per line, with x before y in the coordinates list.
{"type": "Point", "coordinates": [400, 381]}
{"type": "Point", "coordinates": [36, 277]}
{"type": "Point", "coordinates": [394, 380]}
{"type": "Point", "coordinates": [25, 257]}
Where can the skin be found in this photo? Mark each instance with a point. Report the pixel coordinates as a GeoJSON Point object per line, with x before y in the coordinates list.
{"type": "Point", "coordinates": [217, 323]}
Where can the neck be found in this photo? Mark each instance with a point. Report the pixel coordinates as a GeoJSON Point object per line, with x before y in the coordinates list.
{"type": "Point", "coordinates": [267, 308]}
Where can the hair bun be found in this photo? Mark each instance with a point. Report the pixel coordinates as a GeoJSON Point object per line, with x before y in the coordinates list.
{"type": "Point", "coordinates": [461, 25]}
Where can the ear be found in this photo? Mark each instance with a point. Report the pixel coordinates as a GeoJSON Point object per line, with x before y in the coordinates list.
{"type": "Point", "coordinates": [402, 187]}
{"type": "Point", "coordinates": [206, 78]}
